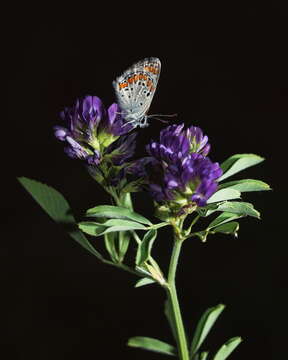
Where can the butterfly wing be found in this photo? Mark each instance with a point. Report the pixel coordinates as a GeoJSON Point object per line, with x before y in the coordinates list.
{"type": "Point", "coordinates": [135, 88]}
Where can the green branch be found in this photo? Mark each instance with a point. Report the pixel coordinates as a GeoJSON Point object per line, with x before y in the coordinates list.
{"type": "Point", "coordinates": [174, 303]}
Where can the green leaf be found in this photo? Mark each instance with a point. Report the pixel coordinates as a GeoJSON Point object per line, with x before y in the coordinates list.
{"type": "Point", "coordinates": [116, 212]}
{"type": "Point", "coordinates": [229, 228]}
{"type": "Point", "coordinates": [219, 225]}
{"type": "Point", "coordinates": [124, 241]}
{"type": "Point", "coordinates": [144, 248]}
{"type": "Point", "coordinates": [237, 163]}
{"type": "Point", "coordinates": [223, 218]}
{"type": "Point", "coordinates": [204, 325]}
{"type": "Point", "coordinates": [144, 281]}
{"type": "Point", "coordinates": [203, 355]}
{"type": "Point", "coordinates": [170, 317]}
{"type": "Point", "coordinates": [152, 345]}
{"type": "Point", "coordinates": [224, 194]}
{"type": "Point", "coordinates": [98, 229]}
{"type": "Point", "coordinates": [57, 207]}
{"type": "Point", "coordinates": [51, 201]}
{"type": "Point", "coordinates": [227, 348]}
{"type": "Point", "coordinates": [238, 207]}
{"type": "Point", "coordinates": [92, 228]}
{"type": "Point", "coordinates": [246, 185]}
{"type": "Point", "coordinates": [110, 244]}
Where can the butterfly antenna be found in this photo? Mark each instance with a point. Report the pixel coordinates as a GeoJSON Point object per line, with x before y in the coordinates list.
{"type": "Point", "coordinates": [163, 115]}
{"type": "Point", "coordinates": [161, 120]}
{"type": "Point", "coordinates": [155, 116]}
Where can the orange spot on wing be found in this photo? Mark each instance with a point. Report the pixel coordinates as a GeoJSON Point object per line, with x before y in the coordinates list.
{"type": "Point", "coordinates": [123, 85]}
{"type": "Point", "coordinates": [149, 83]}
{"type": "Point", "coordinates": [152, 69]}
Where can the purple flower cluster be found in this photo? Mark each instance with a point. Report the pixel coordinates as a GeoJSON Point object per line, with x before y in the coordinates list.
{"type": "Point", "coordinates": [178, 170]}
{"type": "Point", "coordinates": [90, 129]}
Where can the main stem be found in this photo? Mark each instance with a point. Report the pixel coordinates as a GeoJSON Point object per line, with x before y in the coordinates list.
{"type": "Point", "coordinates": [174, 303]}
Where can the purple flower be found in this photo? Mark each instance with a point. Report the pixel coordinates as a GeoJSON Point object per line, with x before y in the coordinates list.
{"type": "Point", "coordinates": [197, 141]}
{"type": "Point", "coordinates": [173, 144]}
{"type": "Point", "coordinates": [176, 143]}
{"type": "Point", "coordinates": [115, 124]}
{"type": "Point", "coordinates": [178, 172]}
{"type": "Point", "coordinates": [90, 129]}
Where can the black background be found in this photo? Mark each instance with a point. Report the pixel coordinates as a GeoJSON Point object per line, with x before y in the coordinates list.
{"type": "Point", "coordinates": [227, 76]}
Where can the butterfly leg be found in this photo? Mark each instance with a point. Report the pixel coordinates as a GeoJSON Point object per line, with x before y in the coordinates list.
{"type": "Point", "coordinates": [131, 122]}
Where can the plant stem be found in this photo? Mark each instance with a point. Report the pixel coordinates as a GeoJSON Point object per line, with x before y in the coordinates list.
{"type": "Point", "coordinates": [174, 303]}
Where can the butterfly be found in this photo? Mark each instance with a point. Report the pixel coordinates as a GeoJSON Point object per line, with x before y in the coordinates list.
{"type": "Point", "coordinates": [135, 89]}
